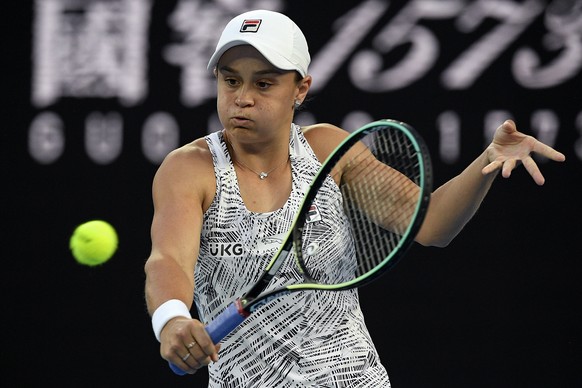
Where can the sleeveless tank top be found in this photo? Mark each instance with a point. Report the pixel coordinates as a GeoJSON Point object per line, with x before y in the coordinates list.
{"type": "Point", "coordinates": [306, 338]}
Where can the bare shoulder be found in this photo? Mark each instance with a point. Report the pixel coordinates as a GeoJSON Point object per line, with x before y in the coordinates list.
{"type": "Point", "coordinates": [196, 150]}
{"type": "Point", "coordinates": [188, 159]}
{"type": "Point", "coordinates": [324, 138]}
{"type": "Point", "coordinates": [188, 171]}
{"type": "Point", "coordinates": [322, 130]}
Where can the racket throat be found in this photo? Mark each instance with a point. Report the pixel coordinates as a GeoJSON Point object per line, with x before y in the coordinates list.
{"type": "Point", "coordinates": [266, 278]}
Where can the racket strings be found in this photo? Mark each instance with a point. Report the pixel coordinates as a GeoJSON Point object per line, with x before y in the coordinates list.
{"type": "Point", "coordinates": [380, 200]}
{"type": "Point", "coordinates": [381, 176]}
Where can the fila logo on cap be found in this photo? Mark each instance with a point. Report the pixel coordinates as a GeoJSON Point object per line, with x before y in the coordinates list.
{"type": "Point", "coordinates": [250, 25]}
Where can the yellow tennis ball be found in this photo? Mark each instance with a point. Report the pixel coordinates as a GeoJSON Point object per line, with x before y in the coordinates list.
{"type": "Point", "coordinates": [93, 242]}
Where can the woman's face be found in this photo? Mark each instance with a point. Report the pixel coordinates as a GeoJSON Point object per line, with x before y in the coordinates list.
{"type": "Point", "coordinates": [253, 95]}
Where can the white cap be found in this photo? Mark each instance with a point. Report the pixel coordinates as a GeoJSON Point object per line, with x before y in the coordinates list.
{"type": "Point", "coordinates": [273, 34]}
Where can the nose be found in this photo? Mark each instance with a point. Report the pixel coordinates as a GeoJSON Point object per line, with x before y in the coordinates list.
{"type": "Point", "coordinates": [244, 98]}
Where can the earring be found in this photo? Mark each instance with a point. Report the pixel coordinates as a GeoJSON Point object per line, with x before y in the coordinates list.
{"type": "Point", "coordinates": [297, 104]}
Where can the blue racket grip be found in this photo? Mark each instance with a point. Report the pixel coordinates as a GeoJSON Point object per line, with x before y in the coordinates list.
{"type": "Point", "coordinates": [176, 370]}
{"type": "Point", "coordinates": [221, 326]}
{"type": "Point", "coordinates": [226, 321]}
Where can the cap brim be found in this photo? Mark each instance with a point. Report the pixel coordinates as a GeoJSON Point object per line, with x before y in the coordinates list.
{"type": "Point", "coordinates": [270, 55]}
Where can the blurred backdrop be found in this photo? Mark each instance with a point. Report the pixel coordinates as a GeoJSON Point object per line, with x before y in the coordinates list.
{"type": "Point", "coordinates": [97, 92]}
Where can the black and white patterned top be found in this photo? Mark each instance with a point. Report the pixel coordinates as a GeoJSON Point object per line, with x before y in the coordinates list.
{"type": "Point", "coordinates": [307, 338]}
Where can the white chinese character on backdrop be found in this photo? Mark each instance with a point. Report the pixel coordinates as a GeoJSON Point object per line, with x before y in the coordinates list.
{"type": "Point", "coordinates": [197, 25]}
{"type": "Point", "coordinates": [90, 48]}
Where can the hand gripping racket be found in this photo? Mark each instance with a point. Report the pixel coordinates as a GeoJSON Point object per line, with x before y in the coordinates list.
{"type": "Point", "coordinates": [386, 184]}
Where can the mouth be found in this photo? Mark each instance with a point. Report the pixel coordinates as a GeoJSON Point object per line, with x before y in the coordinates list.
{"type": "Point", "coordinates": [240, 121]}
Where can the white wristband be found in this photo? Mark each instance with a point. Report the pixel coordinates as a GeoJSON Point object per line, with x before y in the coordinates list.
{"type": "Point", "coordinates": [169, 309]}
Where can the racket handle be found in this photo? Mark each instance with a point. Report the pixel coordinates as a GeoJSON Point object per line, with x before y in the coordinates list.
{"type": "Point", "coordinates": [226, 321]}
{"type": "Point", "coordinates": [176, 370]}
{"type": "Point", "coordinates": [221, 326]}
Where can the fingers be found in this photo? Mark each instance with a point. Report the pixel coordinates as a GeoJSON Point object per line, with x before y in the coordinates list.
{"type": "Point", "coordinates": [516, 144]}
{"type": "Point", "coordinates": [506, 153]}
{"type": "Point", "coordinates": [199, 343]}
{"type": "Point", "coordinates": [533, 169]}
{"type": "Point", "coordinates": [492, 167]}
{"type": "Point", "coordinates": [192, 362]}
{"type": "Point", "coordinates": [548, 152]}
{"type": "Point", "coordinates": [190, 359]}
{"type": "Point", "coordinates": [509, 125]}
{"type": "Point", "coordinates": [187, 346]}
{"type": "Point", "coordinates": [509, 165]}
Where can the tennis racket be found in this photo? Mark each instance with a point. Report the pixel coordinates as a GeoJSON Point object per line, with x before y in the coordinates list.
{"type": "Point", "coordinates": [386, 184]}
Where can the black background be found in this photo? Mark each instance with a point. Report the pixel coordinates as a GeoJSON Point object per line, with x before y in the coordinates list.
{"type": "Point", "coordinates": [499, 307]}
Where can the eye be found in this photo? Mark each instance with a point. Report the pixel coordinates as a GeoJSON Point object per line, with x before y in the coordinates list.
{"type": "Point", "coordinates": [263, 84]}
{"type": "Point", "coordinates": [231, 81]}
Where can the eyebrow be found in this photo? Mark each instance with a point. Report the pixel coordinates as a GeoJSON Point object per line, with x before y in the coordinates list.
{"type": "Point", "coordinates": [273, 70]}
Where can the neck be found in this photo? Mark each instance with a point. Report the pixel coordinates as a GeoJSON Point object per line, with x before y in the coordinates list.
{"type": "Point", "coordinates": [267, 165]}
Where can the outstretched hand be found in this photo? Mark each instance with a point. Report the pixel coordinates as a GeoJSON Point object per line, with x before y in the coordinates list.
{"type": "Point", "coordinates": [510, 147]}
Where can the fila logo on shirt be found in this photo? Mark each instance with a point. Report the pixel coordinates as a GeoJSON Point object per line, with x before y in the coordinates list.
{"type": "Point", "coordinates": [313, 214]}
{"type": "Point", "coordinates": [250, 25]}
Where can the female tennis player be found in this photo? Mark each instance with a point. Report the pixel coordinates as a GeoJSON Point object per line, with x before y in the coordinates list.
{"type": "Point", "coordinates": [223, 203]}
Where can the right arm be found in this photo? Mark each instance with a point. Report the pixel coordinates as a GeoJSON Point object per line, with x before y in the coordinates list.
{"type": "Point", "coordinates": [181, 190]}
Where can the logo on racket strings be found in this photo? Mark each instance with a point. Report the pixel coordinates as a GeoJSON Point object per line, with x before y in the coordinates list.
{"type": "Point", "coordinates": [312, 248]}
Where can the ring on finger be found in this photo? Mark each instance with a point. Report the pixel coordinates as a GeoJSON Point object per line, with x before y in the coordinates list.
{"type": "Point", "coordinates": [191, 345]}
{"type": "Point", "coordinates": [185, 357]}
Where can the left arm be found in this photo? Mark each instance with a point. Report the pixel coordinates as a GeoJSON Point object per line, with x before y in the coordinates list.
{"type": "Point", "coordinates": [455, 202]}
